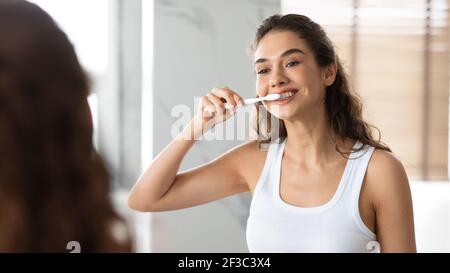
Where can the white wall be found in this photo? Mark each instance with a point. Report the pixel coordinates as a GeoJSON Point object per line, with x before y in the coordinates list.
{"type": "Point", "coordinates": [431, 201]}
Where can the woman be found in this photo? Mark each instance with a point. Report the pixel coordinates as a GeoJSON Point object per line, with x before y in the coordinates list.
{"type": "Point", "coordinates": [54, 188]}
{"type": "Point", "coordinates": [324, 185]}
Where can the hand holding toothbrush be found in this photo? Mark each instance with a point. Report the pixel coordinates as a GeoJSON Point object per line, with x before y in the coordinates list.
{"type": "Point", "coordinates": [218, 105]}
{"type": "Point", "coordinates": [221, 103]}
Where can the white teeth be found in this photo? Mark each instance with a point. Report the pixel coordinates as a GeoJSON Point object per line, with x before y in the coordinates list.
{"type": "Point", "coordinates": [287, 95]}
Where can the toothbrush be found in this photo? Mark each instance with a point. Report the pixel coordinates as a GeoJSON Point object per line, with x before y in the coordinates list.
{"type": "Point", "coordinates": [250, 101]}
{"type": "Point", "coordinates": [270, 97]}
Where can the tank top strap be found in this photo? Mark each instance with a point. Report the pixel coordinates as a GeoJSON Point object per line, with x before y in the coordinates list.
{"type": "Point", "coordinates": [360, 163]}
{"type": "Point", "coordinates": [360, 160]}
{"type": "Point", "coordinates": [273, 150]}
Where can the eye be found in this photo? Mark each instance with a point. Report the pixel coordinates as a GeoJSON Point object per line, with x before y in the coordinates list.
{"type": "Point", "coordinates": [263, 71]}
{"type": "Point", "coordinates": [294, 63]}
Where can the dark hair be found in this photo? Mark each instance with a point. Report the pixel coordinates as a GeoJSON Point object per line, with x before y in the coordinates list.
{"type": "Point", "coordinates": [54, 187]}
{"type": "Point", "coordinates": [343, 107]}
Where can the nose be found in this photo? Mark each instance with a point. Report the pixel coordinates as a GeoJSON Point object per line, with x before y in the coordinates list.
{"type": "Point", "coordinates": [277, 83]}
{"type": "Point", "coordinates": [278, 79]}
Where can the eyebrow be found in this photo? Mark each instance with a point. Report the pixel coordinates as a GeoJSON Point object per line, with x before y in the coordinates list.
{"type": "Point", "coordinates": [286, 53]}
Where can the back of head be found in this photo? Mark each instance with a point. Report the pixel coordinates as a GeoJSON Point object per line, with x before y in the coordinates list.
{"type": "Point", "coordinates": [53, 185]}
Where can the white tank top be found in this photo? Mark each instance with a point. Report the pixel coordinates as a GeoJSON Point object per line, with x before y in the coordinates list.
{"type": "Point", "coordinates": [336, 226]}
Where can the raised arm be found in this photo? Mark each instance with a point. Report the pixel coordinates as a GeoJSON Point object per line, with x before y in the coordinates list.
{"type": "Point", "coordinates": [162, 187]}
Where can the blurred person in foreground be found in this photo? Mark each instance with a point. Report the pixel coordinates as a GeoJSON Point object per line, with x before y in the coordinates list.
{"type": "Point", "coordinates": [54, 187]}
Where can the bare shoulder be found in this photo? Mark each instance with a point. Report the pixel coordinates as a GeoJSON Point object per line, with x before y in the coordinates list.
{"type": "Point", "coordinates": [386, 177]}
{"type": "Point", "coordinates": [248, 159]}
{"type": "Point", "coordinates": [384, 166]}
{"type": "Point", "coordinates": [384, 161]}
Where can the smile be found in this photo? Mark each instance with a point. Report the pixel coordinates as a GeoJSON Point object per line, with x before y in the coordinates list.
{"type": "Point", "coordinates": [285, 98]}
{"type": "Point", "coordinates": [287, 94]}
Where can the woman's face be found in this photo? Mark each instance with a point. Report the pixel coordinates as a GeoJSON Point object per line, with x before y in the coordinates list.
{"type": "Point", "coordinates": [284, 64]}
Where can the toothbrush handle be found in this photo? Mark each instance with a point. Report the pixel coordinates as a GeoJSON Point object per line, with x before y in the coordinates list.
{"type": "Point", "coordinates": [246, 102]}
{"type": "Point", "coordinates": [252, 100]}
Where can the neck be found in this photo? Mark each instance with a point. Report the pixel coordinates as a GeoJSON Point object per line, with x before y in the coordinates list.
{"type": "Point", "coordinates": [309, 140]}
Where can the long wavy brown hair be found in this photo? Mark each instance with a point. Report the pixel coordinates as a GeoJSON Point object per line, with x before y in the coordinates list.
{"type": "Point", "coordinates": [343, 106]}
{"type": "Point", "coordinates": [54, 187]}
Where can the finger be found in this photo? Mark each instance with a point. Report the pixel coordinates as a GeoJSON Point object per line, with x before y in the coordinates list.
{"type": "Point", "coordinates": [219, 105]}
{"type": "Point", "coordinates": [238, 99]}
{"type": "Point", "coordinates": [226, 94]}
{"type": "Point", "coordinates": [207, 107]}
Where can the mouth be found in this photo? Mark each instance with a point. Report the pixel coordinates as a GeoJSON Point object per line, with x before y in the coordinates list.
{"type": "Point", "coordinates": [287, 94]}
{"type": "Point", "coordinates": [285, 97]}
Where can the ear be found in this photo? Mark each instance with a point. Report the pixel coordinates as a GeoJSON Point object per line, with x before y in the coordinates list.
{"type": "Point", "coordinates": [329, 74]}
